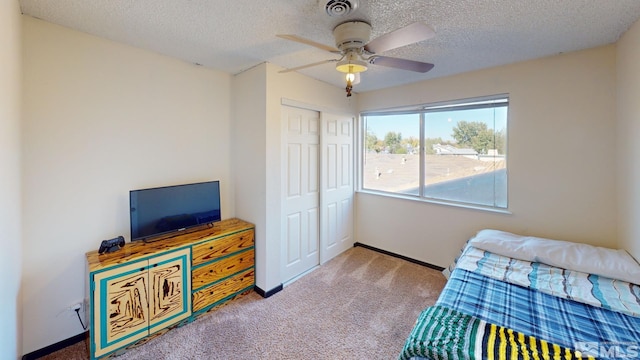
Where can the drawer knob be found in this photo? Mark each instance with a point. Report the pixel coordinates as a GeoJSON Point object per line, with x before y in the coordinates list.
{"type": "Point", "coordinates": [210, 271]}
{"type": "Point", "coordinates": [141, 269]}
{"type": "Point", "coordinates": [210, 247]}
{"type": "Point", "coordinates": [211, 293]}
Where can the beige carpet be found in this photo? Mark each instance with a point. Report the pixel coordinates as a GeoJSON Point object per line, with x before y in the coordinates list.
{"type": "Point", "coordinates": [360, 305]}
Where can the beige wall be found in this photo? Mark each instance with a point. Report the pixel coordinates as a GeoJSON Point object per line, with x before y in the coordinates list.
{"type": "Point", "coordinates": [248, 158]}
{"type": "Point", "coordinates": [561, 158]}
{"type": "Point", "coordinates": [101, 119]}
{"type": "Point", "coordinates": [258, 152]}
{"type": "Point", "coordinates": [628, 106]}
{"type": "Point", "coordinates": [10, 168]}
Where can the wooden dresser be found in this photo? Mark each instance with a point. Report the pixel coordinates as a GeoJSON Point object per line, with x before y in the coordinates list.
{"type": "Point", "coordinates": [145, 289]}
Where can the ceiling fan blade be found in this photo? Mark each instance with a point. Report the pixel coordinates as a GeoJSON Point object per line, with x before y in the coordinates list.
{"type": "Point", "coordinates": [307, 66]}
{"type": "Point", "coordinates": [302, 40]}
{"type": "Point", "coordinates": [410, 34]}
{"type": "Point", "coordinates": [403, 64]}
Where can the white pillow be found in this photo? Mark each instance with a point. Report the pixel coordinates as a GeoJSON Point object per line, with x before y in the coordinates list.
{"type": "Point", "coordinates": [614, 264]}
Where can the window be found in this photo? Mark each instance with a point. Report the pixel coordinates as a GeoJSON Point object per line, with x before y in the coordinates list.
{"type": "Point", "coordinates": [453, 152]}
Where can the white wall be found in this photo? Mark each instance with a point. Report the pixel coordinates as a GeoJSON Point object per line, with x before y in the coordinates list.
{"type": "Point", "coordinates": [628, 106]}
{"type": "Point", "coordinates": [100, 119]}
{"type": "Point", "coordinates": [248, 158]}
{"type": "Point", "coordinates": [561, 158]}
{"type": "Point", "coordinates": [10, 188]}
{"type": "Point", "coordinates": [262, 150]}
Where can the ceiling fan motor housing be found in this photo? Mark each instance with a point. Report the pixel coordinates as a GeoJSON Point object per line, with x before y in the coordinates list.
{"type": "Point", "coordinates": [352, 35]}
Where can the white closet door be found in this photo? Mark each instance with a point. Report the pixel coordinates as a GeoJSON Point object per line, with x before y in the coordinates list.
{"type": "Point", "coordinates": [301, 210]}
{"type": "Point", "coordinates": [336, 199]}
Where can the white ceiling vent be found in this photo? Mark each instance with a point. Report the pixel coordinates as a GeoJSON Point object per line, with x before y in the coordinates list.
{"type": "Point", "coordinates": [337, 8]}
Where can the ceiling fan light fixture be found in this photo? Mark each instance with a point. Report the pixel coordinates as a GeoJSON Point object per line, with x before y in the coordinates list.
{"type": "Point", "coordinates": [352, 78]}
{"type": "Point", "coordinates": [351, 66]}
{"type": "Point", "coordinates": [351, 63]}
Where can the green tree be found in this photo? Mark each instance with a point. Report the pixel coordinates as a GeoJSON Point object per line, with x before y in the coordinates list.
{"type": "Point", "coordinates": [483, 141]}
{"type": "Point", "coordinates": [478, 136]}
{"type": "Point", "coordinates": [465, 132]}
{"type": "Point", "coordinates": [392, 140]}
{"type": "Point", "coordinates": [370, 141]}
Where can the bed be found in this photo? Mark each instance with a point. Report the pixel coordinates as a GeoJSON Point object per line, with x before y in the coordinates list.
{"type": "Point", "coordinates": [519, 297]}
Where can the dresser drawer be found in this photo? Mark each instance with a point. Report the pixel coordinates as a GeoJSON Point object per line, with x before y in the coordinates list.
{"type": "Point", "coordinates": [219, 291]}
{"type": "Point", "coordinates": [217, 248]}
{"type": "Point", "coordinates": [222, 268]}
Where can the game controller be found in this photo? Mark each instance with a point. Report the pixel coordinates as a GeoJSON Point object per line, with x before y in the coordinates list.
{"type": "Point", "coordinates": [111, 245]}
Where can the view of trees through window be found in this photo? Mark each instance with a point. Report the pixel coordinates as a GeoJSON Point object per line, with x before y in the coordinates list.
{"type": "Point", "coordinates": [460, 155]}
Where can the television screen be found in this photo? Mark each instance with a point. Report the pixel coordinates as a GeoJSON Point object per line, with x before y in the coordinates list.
{"type": "Point", "coordinates": [172, 208]}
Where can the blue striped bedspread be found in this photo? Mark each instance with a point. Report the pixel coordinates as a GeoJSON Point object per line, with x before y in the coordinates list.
{"type": "Point", "coordinates": [552, 318]}
{"type": "Point", "coordinates": [615, 295]}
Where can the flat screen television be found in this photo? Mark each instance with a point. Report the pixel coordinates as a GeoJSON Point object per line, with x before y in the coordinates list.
{"type": "Point", "coordinates": [162, 210]}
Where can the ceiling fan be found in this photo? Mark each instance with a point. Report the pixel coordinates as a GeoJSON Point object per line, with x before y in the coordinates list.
{"type": "Point", "coordinates": [356, 51]}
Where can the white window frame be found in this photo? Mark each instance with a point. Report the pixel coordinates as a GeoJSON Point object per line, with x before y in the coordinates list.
{"type": "Point", "coordinates": [492, 101]}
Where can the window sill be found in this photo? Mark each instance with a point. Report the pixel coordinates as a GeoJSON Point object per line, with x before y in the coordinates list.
{"type": "Point", "coordinates": [436, 202]}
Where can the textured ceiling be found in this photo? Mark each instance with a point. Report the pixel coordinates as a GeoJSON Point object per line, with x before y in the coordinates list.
{"type": "Point", "coordinates": [233, 36]}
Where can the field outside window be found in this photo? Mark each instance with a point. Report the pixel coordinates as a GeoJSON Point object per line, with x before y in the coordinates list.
{"type": "Point", "coordinates": [453, 153]}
